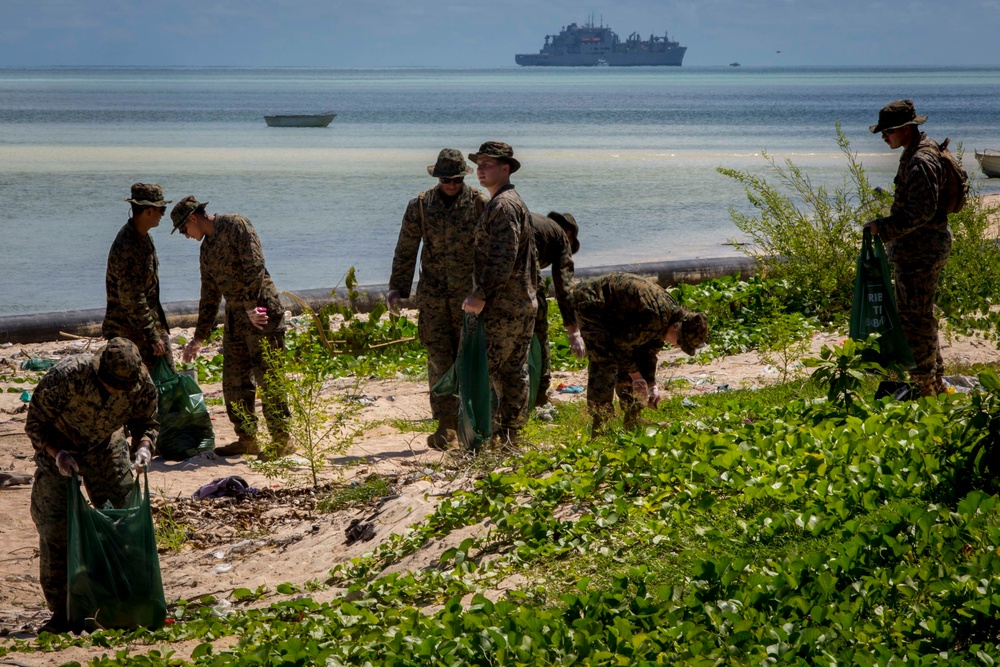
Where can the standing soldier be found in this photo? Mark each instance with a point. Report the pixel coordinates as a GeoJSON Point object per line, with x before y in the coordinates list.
{"type": "Point", "coordinates": [74, 422]}
{"type": "Point", "coordinates": [625, 320]}
{"type": "Point", "coordinates": [917, 237]}
{"type": "Point", "coordinates": [232, 266]}
{"type": "Point", "coordinates": [555, 242]}
{"type": "Point", "coordinates": [505, 270]}
{"type": "Point", "coordinates": [444, 218]}
{"type": "Point", "coordinates": [133, 283]}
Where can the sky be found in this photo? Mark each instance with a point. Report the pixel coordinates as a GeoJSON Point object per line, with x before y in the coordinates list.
{"type": "Point", "coordinates": [475, 33]}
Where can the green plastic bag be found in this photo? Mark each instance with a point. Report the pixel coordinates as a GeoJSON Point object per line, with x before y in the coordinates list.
{"type": "Point", "coordinates": [873, 310]}
{"type": "Point", "coordinates": [469, 377]}
{"type": "Point", "coordinates": [185, 425]}
{"type": "Point", "coordinates": [113, 574]}
{"type": "Point", "coordinates": [534, 370]}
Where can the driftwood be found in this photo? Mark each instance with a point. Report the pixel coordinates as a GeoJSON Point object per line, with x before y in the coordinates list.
{"type": "Point", "coordinates": [13, 479]}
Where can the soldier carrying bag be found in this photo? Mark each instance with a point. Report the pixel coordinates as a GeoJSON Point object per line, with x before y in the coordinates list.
{"type": "Point", "coordinates": [954, 181]}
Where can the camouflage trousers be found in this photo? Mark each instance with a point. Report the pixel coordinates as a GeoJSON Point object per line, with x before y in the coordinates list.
{"type": "Point", "coordinates": [916, 286]}
{"type": "Point", "coordinates": [508, 342]}
{"type": "Point", "coordinates": [244, 368]}
{"type": "Point", "coordinates": [439, 326]}
{"type": "Point", "coordinates": [107, 474]}
{"type": "Point", "coordinates": [542, 331]}
{"type": "Point", "coordinates": [606, 376]}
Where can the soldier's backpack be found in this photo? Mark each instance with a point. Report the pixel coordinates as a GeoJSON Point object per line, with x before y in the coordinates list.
{"type": "Point", "coordinates": [955, 181]}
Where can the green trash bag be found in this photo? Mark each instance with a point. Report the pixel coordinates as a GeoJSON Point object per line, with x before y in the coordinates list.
{"type": "Point", "coordinates": [469, 377]}
{"type": "Point", "coordinates": [873, 310]}
{"type": "Point", "coordinates": [534, 370]}
{"type": "Point", "coordinates": [185, 425]}
{"type": "Point", "coordinates": [113, 574]}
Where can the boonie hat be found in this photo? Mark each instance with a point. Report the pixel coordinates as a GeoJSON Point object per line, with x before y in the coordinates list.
{"type": "Point", "coordinates": [183, 209]}
{"type": "Point", "coordinates": [120, 364]}
{"type": "Point", "coordinates": [897, 114]}
{"type": "Point", "coordinates": [497, 150]}
{"type": "Point", "coordinates": [692, 331]}
{"type": "Point", "coordinates": [148, 194]}
{"type": "Point", "coordinates": [568, 223]}
{"type": "Point", "coordinates": [450, 164]}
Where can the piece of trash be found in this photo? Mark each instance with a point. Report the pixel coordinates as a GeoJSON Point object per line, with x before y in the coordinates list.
{"type": "Point", "coordinates": [390, 398]}
{"type": "Point", "coordinates": [962, 384]}
{"type": "Point", "coordinates": [219, 555]}
{"type": "Point", "coordinates": [723, 387]}
{"type": "Point", "coordinates": [224, 487]}
{"type": "Point", "coordinates": [359, 532]}
{"type": "Point", "coordinates": [26, 396]}
{"type": "Point", "coordinates": [688, 403]}
{"type": "Point", "coordinates": [38, 364]}
{"type": "Point", "coordinates": [571, 389]}
{"type": "Point", "coordinates": [222, 568]}
{"type": "Point", "coordinates": [223, 608]}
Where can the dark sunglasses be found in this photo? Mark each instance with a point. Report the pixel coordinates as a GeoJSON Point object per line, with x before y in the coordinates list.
{"type": "Point", "coordinates": [457, 179]}
{"type": "Point", "coordinates": [183, 229]}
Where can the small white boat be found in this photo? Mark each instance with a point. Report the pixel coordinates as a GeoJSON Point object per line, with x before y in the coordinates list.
{"type": "Point", "coordinates": [989, 162]}
{"type": "Point", "coordinates": [300, 120]}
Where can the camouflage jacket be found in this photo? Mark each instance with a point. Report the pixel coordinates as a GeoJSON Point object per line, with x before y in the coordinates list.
{"type": "Point", "coordinates": [915, 224]}
{"type": "Point", "coordinates": [232, 267]}
{"type": "Point", "coordinates": [71, 410]}
{"type": "Point", "coordinates": [623, 316]}
{"type": "Point", "coordinates": [446, 230]}
{"type": "Point", "coordinates": [554, 249]}
{"type": "Point", "coordinates": [133, 287]}
{"type": "Point", "coordinates": [505, 265]}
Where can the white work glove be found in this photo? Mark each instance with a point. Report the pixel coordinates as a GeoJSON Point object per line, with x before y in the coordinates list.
{"type": "Point", "coordinates": [654, 396]}
{"type": "Point", "coordinates": [142, 458]}
{"type": "Point", "coordinates": [66, 463]}
{"type": "Point", "coordinates": [392, 300]}
{"type": "Point", "coordinates": [640, 390]}
{"type": "Point", "coordinates": [191, 350]}
{"type": "Point", "coordinates": [576, 345]}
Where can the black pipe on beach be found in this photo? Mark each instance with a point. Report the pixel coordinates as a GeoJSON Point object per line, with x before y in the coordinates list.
{"type": "Point", "coordinates": [44, 327]}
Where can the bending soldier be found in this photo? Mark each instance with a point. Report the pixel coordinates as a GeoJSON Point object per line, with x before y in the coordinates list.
{"type": "Point", "coordinates": [133, 282]}
{"type": "Point", "coordinates": [75, 422]}
{"type": "Point", "coordinates": [625, 320]}
{"type": "Point", "coordinates": [442, 219]}
{"type": "Point", "coordinates": [555, 242]}
{"type": "Point", "coordinates": [232, 266]}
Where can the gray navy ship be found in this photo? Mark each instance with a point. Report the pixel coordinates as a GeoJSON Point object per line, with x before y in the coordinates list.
{"type": "Point", "coordinates": [591, 45]}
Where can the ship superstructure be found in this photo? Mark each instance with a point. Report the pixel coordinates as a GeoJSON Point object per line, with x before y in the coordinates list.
{"type": "Point", "coordinates": [590, 45]}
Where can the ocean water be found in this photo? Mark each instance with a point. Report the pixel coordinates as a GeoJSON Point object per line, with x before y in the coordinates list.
{"type": "Point", "coordinates": [631, 153]}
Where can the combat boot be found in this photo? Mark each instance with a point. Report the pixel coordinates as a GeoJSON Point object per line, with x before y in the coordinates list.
{"type": "Point", "coordinates": [282, 447]}
{"type": "Point", "coordinates": [246, 444]}
{"type": "Point", "coordinates": [446, 435]}
{"type": "Point", "coordinates": [56, 625]}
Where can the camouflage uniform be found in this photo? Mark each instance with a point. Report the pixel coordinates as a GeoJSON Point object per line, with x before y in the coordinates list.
{"type": "Point", "coordinates": [504, 276]}
{"type": "Point", "coordinates": [446, 229]}
{"type": "Point", "coordinates": [918, 242]}
{"type": "Point", "coordinates": [623, 319]}
{"type": "Point", "coordinates": [232, 266]}
{"type": "Point", "coordinates": [133, 288]}
{"type": "Point", "coordinates": [554, 249]}
{"type": "Point", "coordinates": [70, 410]}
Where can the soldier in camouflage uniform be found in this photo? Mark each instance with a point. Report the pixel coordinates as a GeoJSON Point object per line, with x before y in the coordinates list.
{"type": "Point", "coordinates": [443, 218]}
{"type": "Point", "coordinates": [133, 283]}
{"type": "Point", "coordinates": [505, 271]}
{"type": "Point", "coordinates": [625, 320]}
{"type": "Point", "coordinates": [75, 422]}
{"type": "Point", "coordinates": [555, 242]}
{"type": "Point", "coordinates": [917, 237]}
{"type": "Point", "coordinates": [232, 266]}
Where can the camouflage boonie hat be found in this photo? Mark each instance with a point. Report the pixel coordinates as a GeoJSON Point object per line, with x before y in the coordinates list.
{"type": "Point", "coordinates": [183, 209]}
{"type": "Point", "coordinates": [692, 331]}
{"type": "Point", "coordinates": [897, 114]}
{"type": "Point", "coordinates": [450, 164]}
{"type": "Point", "coordinates": [497, 150]}
{"type": "Point", "coordinates": [148, 194]}
{"type": "Point", "coordinates": [120, 364]}
{"type": "Point", "coordinates": [568, 223]}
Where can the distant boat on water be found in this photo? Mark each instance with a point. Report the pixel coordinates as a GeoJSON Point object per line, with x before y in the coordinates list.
{"type": "Point", "coordinates": [989, 162]}
{"type": "Point", "coordinates": [300, 120]}
{"type": "Point", "coordinates": [734, 64]}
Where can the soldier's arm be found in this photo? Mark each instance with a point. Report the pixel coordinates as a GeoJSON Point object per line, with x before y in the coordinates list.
{"type": "Point", "coordinates": [645, 360]}
{"type": "Point", "coordinates": [142, 422]}
{"type": "Point", "coordinates": [501, 222]}
{"type": "Point", "coordinates": [48, 401]}
{"type": "Point", "coordinates": [922, 186]}
{"type": "Point", "coordinates": [562, 281]}
{"type": "Point", "coordinates": [404, 259]}
{"type": "Point", "coordinates": [246, 247]}
{"type": "Point", "coordinates": [211, 297]}
{"type": "Point", "coordinates": [132, 290]}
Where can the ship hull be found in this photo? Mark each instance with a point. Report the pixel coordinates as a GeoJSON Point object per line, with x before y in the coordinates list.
{"type": "Point", "coordinates": [301, 120]}
{"type": "Point", "coordinates": [671, 57]}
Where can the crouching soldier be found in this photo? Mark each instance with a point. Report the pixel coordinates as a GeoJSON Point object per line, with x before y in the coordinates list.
{"type": "Point", "coordinates": [75, 422]}
{"type": "Point", "coordinates": [625, 320]}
